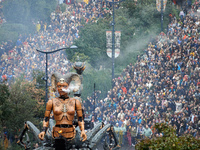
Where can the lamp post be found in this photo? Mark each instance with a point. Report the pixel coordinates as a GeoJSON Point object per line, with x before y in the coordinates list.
{"type": "Point", "coordinates": [94, 98]}
{"type": "Point", "coordinates": [161, 15]}
{"type": "Point", "coordinates": [113, 39]}
{"type": "Point", "coordinates": [113, 43]}
{"type": "Point", "coordinates": [46, 70]}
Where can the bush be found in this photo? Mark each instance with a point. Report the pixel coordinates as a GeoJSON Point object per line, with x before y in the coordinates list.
{"type": "Point", "coordinates": [169, 140]}
{"type": "Point", "coordinates": [10, 31]}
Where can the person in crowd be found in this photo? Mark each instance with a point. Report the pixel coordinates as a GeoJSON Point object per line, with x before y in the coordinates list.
{"type": "Point", "coordinates": [147, 131]}
{"type": "Point", "coordinates": [133, 135]}
{"type": "Point", "coordinates": [117, 130]}
{"type": "Point", "coordinates": [122, 134]}
{"type": "Point", "coordinates": [140, 131]}
{"type": "Point", "coordinates": [129, 136]}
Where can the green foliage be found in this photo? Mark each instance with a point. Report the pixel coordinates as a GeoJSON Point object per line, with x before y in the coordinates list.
{"type": "Point", "coordinates": [20, 15]}
{"type": "Point", "coordinates": [16, 11]}
{"type": "Point", "coordinates": [37, 76]}
{"type": "Point", "coordinates": [169, 140]}
{"type": "Point", "coordinates": [174, 11]}
{"type": "Point", "coordinates": [92, 42]}
{"type": "Point", "coordinates": [23, 11]}
{"type": "Point", "coordinates": [38, 86]}
{"type": "Point", "coordinates": [22, 105]}
{"type": "Point", "coordinates": [41, 10]}
{"type": "Point", "coordinates": [63, 7]}
{"type": "Point", "coordinates": [4, 105]}
{"type": "Point", "coordinates": [10, 31]}
{"type": "Point", "coordinates": [19, 103]}
{"type": "Point", "coordinates": [146, 15]}
{"type": "Point", "coordinates": [4, 93]}
{"type": "Point", "coordinates": [101, 78]}
{"type": "Point", "coordinates": [132, 8]}
{"type": "Point", "coordinates": [82, 57]}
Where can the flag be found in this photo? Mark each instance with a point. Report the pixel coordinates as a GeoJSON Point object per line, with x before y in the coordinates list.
{"type": "Point", "coordinates": [164, 4]}
{"type": "Point", "coordinates": [158, 5]}
{"type": "Point", "coordinates": [109, 43]}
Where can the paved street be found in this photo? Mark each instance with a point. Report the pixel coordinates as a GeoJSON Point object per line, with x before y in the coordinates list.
{"type": "Point", "coordinates": [122, 148]}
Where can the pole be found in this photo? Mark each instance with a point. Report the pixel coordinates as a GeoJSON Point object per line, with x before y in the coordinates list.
{"type": "Point", "coordinates": [94, 98]}
{"type": "Point", "coordinates": [113, 43]}
{"type": "Point", "coordinates": [161, 15]}
{"type": "Point", "coordinates": [113, 46]}
{"type": "Point", "coordinates": [46, 79]}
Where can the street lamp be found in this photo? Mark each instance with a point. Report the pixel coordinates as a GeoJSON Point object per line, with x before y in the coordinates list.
{"type": "Point", "coordinates": [113, 40]}
{"type": "Point", "coordinates": [46, 70]}
{"type": "Point", "coordinates": [161, 15]}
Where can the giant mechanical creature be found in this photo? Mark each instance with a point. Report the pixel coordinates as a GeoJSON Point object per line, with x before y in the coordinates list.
{"type": "Point", "coordinates": [64, 125]}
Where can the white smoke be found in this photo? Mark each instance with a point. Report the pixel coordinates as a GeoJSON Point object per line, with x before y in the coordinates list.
{"type": "Point", "coordinates": [71, 88]}
{"type": "Point", "coordinates": [66, 90]}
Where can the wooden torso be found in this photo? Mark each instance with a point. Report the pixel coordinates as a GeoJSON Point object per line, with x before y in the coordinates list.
{"type": "Point", "coordinates": [64, 110]}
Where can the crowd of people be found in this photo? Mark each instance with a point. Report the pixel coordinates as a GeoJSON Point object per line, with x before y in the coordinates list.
{"type": "Point", "coordinates": [22, 57]}
{"type": "Point", "coordinates": [163, 86]}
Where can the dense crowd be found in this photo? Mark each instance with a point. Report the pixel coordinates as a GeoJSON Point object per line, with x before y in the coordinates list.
{"type": "Point", "coordinates": [22, 57]}
{"type": "Point", "coordinates": [163, 86]}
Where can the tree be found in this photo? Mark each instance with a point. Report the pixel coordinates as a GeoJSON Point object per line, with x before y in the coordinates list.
{"type": "Point", "coordinates": [169, 140]}
{"type": "Point", "coordinates": [23, 11]}
{"type": "Point", "coordinates": [16, 11]}
{"type": "Point", "coordinates": [41, 10]}
{"type": "Point", "coordinates": [25, 103]}
{"type": "Point", "coordinates": [101, 78]}
{"type": "Point", "coordinates": [4, 105]}
{"type": "Point", "coordinates": [20, 16]}
{"type": "Point", "coordinates": [82, 57]}
{"type": "Point", "coordinates": [17, 17]}
{"type": "Point", "coordinates": [38, 77]}
{"type": "Point", "coordinates": [92, 42]}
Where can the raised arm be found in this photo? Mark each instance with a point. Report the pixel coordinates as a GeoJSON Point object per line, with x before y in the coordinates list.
{"type": "Point", "coordinates": [49, 107]}
{"type": "Point", "coordinates": [79, 112]}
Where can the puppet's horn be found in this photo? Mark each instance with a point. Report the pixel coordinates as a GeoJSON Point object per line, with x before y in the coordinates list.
{"type": "Point", "coordinates": [74, 81]}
